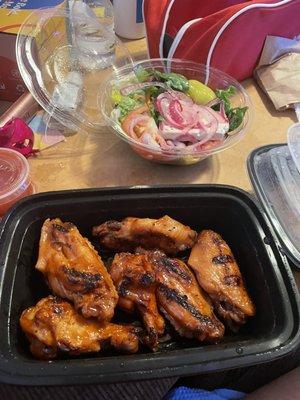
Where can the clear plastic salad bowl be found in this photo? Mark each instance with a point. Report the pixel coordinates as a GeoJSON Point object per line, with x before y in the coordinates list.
{"type": "Point", "coordinates": [127, 75]}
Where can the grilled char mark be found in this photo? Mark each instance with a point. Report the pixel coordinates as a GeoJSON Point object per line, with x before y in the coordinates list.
{"type": "Point", "coordinates": [108, 232]}
{"type": "Point", "coordinates": [63, 228]}
{"type": "Point", "coordinates": [147, 280]}
{"type": "Point", "coordinates": [216, 239]}
{"type": "Point", "coordinates": [60, 228]}
{"type": "Point", "coordinates": [86, 280]}
{"type": "Point", "coordinates": [122, 289]}
{"type": "Point", "coordinates": [58, 238]}
{"type": "Point", "coordinates": [229, 307]}
{"type": "Point", "coordinates": [222, 259]}
{"type": "Point", "coordinates": [232, 280]}
{"type": "Point", "coordinates": [107, 228]}
{"type": "Point", "coordinates": [232, 315]}
{"type": "Point", "coordinates": [114, 225]}
{"type": "Point", "coordinates": [57, 305]}
{"type": "Point", "coordinates": [171, 265]}
{"type": "Point", "coordinates": [173, 295]}
{"type": "Point", "coordinates": [228, 280]}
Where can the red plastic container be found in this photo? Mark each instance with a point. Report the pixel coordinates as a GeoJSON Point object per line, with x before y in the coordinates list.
{"type": "Point", "coordinates": [15, 180]}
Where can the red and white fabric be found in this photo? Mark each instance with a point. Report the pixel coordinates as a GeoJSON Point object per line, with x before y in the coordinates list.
{"type": "Point", "coordinates": [226, 34]}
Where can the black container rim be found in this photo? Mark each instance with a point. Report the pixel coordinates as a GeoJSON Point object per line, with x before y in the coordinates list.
{"type": "Point", "coordinates": [277, 227]}
{"type": "Point", "coordinates": [166, 188]}
{"type": "Point", "coordinates": [26, 377]}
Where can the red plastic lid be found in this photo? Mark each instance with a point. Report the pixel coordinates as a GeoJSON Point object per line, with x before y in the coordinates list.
{"type": "Point", "coordinates": [14, 175]}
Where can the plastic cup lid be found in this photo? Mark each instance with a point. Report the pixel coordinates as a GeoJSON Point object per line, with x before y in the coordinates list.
{"type": "Point", "coordinates": [14, 173]}
{"type": "Point", "coordinates": [63, 57]}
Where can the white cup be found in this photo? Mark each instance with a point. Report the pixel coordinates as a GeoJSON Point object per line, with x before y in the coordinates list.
{"type": "Point", "coordinates": [129, 22]}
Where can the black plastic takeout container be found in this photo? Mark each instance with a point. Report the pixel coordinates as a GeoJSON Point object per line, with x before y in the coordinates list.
{"type": "Point", "coordinates": [272, 333]}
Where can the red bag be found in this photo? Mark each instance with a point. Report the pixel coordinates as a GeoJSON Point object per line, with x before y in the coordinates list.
{"type": "Point", "coordinates": [225, 34]}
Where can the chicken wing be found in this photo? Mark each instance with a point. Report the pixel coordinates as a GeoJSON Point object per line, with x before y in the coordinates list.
{"type": "Point", "coordinates": [165, 234]}
{"type": "Point", "coordinates": [219, 275]}
{"type": "Point", "coordinates": [53, 326]}
{"type": "Point", "coordinates": [75, 271]}
{"type": "Point", "coordinates": [134, 279]}
{"type": "Point", "coordinates": [182, 301]}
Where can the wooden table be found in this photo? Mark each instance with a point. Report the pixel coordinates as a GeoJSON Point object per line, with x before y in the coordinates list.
{"type": "Point", "coordinates": [112, 163]}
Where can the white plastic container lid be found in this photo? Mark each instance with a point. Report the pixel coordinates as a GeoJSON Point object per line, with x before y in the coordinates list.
{"type": "Point", "coordinates": [276, 181]}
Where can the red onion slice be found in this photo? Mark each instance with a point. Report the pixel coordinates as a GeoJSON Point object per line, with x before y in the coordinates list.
{"type": "Point", "coordinates": [181, 97]}
{"type": "Point", "coordinates": [187, 137]}
{"type": "Point", "coordinates": [179, 114]}
{"type": "Point", "coordinates": [207, 120]}
{"type": "Point", "coordinates": [149, 140]}
{"type": "Point", "coordinates": [219, 117]}
{"type": "Point", "coordinates": [222, 111]}
{"type": "Point", "coordinates": [175, 112]}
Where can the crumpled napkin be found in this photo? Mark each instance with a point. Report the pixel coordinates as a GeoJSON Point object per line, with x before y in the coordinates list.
{"type": "Point", "coordinates": [278, 72]}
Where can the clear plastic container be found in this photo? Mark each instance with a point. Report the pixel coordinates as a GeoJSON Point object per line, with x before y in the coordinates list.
{"type": "Point", "coordinates": [293, 140]}
{"type": "Point", "coordinates": [15, 180]}
{"type": "Point", "coordinates": [217, 80]}
{"type": "Point", "coordinates": [64, 55]}
{"type": "Point", "coordinates": [288, 176]}
{"type": "Point", "coordinates": [276, 181]}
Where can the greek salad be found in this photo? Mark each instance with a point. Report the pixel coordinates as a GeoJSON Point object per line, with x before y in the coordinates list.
{"type": "Point", "coordinates": [167, 111]}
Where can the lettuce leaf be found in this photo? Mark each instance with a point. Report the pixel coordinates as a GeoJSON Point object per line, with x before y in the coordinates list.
{"type": "Point", "coordinates": [174, 81]}
{"type": "Point", "coordinates": [142, 74]}
{"type": "Point", "coordinates": [236, 118]}
{"type": "Point", "coordinates": [126, 104]}
{"type": "Point", "coordinates": [234, 115]}
{"type": "Point", "coordinates": [225, 95]}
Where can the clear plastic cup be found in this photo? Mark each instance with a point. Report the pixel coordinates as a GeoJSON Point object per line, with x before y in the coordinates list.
{"type": "Point", "coordinates": [92, 31]}
{"type": "Point", "coordinates": [15, 182]}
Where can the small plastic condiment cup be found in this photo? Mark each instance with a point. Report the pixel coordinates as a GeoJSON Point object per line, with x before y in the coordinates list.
{"type": "Point", "coordinates": [15, 180]}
